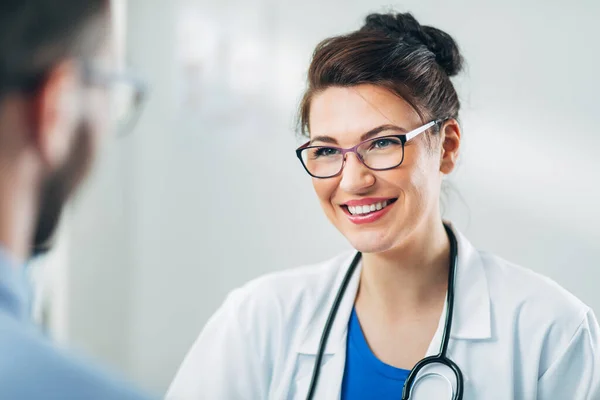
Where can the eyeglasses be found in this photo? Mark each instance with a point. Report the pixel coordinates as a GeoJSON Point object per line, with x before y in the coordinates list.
{"type": "Point", "coordinates": [378, 154]}
{"type": "Point", "coordinates": [127, 95]}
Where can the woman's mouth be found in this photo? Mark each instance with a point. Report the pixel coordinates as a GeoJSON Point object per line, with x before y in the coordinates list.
{"type": "Point", "coordinates": [367, 211]}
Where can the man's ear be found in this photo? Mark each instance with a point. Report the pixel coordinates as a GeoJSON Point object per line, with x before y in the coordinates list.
{"type": "Point", "coordinates": [57, 113]}
{"type": "Point", "coordinates": [450, 133]}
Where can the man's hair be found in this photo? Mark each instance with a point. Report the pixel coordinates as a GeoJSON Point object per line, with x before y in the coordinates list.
{"type": "Point", "coordinates": [35, 35]}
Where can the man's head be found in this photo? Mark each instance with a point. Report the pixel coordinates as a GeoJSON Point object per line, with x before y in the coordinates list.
{"type": "Point", "coordinates": [51, 110]}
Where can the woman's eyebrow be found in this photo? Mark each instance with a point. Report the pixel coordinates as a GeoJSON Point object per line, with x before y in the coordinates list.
{"type": "Point", "coordinates": [324, 139]}
{"type": "Point", "coordinates": [373, 132]}
{"type": "Point", "coordinates": [382, 128]}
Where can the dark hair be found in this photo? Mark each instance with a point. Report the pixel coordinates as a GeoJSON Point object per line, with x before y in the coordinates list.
{"type": "Point", "coordinates": [35, 35]}
{"type": "Point", "coordinates": [393, 51]}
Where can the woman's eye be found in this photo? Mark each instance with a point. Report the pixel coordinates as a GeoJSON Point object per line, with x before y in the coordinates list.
{"type": "Point", "coordinates": [385, 143]}
{"type": "Point", "coordinates": [325, 152]}
{"type": "Point", "coordinates": [382, 143]}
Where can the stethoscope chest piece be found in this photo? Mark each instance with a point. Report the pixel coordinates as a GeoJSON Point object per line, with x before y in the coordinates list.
{"type": "Point", "coordinates": [433, 385]}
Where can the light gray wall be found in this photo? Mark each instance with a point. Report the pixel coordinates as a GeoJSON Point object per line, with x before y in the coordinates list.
{"type": "Point", "coordinates": [207, 194]}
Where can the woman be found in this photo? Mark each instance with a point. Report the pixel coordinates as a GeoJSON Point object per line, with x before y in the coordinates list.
{"type": "Point", "coordinates": [381, 114]}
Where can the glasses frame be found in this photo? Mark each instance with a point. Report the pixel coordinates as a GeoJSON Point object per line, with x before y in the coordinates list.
{"type": "Point", "coordinates": [100, 77]}
{"type": "Point", "coordinates": [94, 76]}
{"type": "Point", "coordinates": [403, 139]}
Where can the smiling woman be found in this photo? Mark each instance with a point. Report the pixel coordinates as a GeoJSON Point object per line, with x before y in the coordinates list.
{"type": "Point", "coordinates": [416, 311]}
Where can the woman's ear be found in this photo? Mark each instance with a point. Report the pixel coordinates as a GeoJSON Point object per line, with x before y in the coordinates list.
{"type": "Point", "coordinates": [450, 136]}
{"type": "Point", "coordinates": [57, 112]}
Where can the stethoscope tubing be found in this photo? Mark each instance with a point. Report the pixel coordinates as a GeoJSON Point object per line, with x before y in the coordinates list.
{"type": "Point", "coordinates": [441, 357]}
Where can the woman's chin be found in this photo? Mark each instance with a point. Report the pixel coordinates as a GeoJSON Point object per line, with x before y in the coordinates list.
{"type": "Point", "coordinates": [370, 243]}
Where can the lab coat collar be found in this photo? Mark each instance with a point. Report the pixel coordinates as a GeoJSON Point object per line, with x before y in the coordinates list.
{"type": "Point", "coordinates": [472, 320]}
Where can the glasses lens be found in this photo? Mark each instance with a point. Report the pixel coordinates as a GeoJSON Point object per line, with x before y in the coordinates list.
{"type": "Point", "coordinates": [322, 161]}
{"type": "Point", "coordinates": [125, 102]}
{"type": "Point", "coordinates": [382, 153]}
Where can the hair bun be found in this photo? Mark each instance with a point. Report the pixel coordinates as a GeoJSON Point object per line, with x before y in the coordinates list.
{"type": "Point", "coordinates": [405, 28]}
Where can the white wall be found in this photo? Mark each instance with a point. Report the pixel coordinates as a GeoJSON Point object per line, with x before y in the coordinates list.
{"type": "Point", "coordinates": [207, 193]}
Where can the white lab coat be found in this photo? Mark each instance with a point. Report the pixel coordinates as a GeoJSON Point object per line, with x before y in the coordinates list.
{"type": "Point", "coordinates": [515, 335]}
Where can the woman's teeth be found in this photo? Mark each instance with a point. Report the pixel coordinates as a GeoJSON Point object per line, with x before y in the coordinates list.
{"type": "Point", "coordinates": [358, 210]}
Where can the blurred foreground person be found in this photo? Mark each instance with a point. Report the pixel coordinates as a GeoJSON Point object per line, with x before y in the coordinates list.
{"type": "Point", "coordinates": [56, 83]}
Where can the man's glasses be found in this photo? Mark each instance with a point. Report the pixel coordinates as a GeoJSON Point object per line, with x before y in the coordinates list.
{"type": "Point", "coordinates": [127, 95]}
{"type": "Point", "coordinates": [379, 154]}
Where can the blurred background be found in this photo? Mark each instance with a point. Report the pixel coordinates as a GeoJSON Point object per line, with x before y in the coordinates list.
{"type": "Point", "coordinates": [207, 193]}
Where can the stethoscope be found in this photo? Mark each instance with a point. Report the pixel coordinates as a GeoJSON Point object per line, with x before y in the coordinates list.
{"type": "Point", "coordinates": [440, 358]}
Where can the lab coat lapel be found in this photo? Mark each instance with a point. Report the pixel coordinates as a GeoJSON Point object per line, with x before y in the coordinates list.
{"type": "Point", "coordinates": [330, 379]}
{"type": "Point", "coordinates": [334, 360]}
{"type": "Point", "coordinates": [472, 316]}
{"type": "Point", "coordinates": [472, 308]}
{"type": "Point", "coordinates": [436, 388]}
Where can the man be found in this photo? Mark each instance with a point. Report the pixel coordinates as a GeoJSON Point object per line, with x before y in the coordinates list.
{"type": "Point", "coordinates": [55, 79]}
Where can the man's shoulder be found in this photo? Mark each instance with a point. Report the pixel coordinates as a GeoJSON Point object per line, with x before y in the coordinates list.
{"type": "Point", "coordinates": [32, 367]}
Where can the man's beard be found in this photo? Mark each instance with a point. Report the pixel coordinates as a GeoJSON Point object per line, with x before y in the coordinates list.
{"type": "Point", "coordinates": [57, 189]}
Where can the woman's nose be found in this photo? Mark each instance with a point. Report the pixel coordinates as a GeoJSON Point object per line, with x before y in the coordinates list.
{"type": "Point", "coordinates": [356, 177]}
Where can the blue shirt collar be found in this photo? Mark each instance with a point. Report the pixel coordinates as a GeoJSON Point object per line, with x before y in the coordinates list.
{"type": "Point", "coordinates": [15, 287]}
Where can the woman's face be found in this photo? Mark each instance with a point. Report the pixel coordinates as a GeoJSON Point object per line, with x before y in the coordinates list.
{"type": "Point", "coordinates": [407, 195]}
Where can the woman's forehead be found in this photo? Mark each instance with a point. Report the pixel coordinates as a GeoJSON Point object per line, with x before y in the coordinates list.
{"type": "Point", "coordinates": [342, 112]}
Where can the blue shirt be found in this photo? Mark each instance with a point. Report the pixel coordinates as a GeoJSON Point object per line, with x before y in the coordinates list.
{"type": "Point", "coordinates": [365, 376]}
{"type": "Point", "coordinates": [30, 366]}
